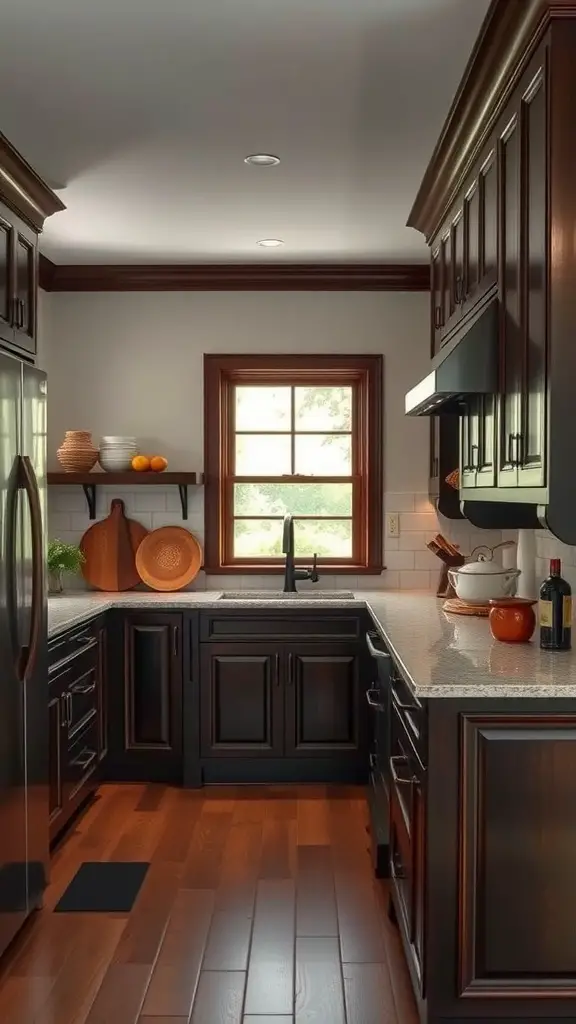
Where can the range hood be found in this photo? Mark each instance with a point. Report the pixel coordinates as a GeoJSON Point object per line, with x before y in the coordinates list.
{"type": "Point", "coordinates": [467, 365]}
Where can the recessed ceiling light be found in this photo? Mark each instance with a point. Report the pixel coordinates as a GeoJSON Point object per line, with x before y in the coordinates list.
{"type": "Point", "coordinates": [270, 243]}
{"type": "Point", "coordinates": [262, 160]}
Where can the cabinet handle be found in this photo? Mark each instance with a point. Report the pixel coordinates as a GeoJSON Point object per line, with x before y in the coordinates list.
{"type": "Point", "coordinates": [175, 640]}
{"type": "Point", "coordinates": [277, 663]}
{"type": "Point", "coordinates": [374, 651]}
{"type": "Point", "coordinates": [374, 703]}
{"type": "Point", "coordinates": [84, 759]}
{"type": "Point", "coordinates": [438, 322]}
{"type": "Point", "coordinates": [290, 669]}
{"type": "Point", "coordinates": [459, 290]}
{"type": "Point", "coordinates": [519, 456]}
{"type": "Point", "coordinates": [475, 456]}
{"type": "Point", "coordinates": [64, 710]}
{"type": "Point", "coordinates": [400, 759]}
{"type": "Point", "coordinates": [70, 709]}
{"type": "Point", "coordinates": [398, 702]}
{"type": "Point", "coordinates": [22, 309]}
{"type": "Point", "coordinates": [510, 458]}
{"type": "Point", "coordinates": [83, 689]}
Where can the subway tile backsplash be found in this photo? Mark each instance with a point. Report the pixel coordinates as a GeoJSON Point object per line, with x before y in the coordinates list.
{"type": "Point", "coordinates": [409, 565]}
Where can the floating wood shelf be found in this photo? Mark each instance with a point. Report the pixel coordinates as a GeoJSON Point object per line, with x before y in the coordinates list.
{"type": "Point", "coordinates": [90, 481]}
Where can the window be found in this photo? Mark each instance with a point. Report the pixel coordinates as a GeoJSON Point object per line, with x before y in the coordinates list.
{"type": "Point", "coordinates": [298, 434]}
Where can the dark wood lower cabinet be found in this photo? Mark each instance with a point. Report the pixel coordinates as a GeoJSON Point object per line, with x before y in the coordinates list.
{"type": "Point", "coordinates": [483, 850]}
{"type": "Point", "coordinates": [283, 710]}
{"type": "Point", "coordinates": [76, 722]}
{"type": "Point", "coordinates": [241, 700]}
{"type": "Point", "coordinates": [324, 701]}
{"type": "Point", "coordinates": [145, 682]}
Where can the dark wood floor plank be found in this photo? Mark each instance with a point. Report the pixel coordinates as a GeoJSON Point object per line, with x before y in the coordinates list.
{"type": "Point", "coordinates": [368, 995]}
{"type": "Point", "coordinates": [202, 868]}
{"type": "Point", "coordinates": [316, 914]}
{"type": "Point", "coordinates": [219, 998]}
{"type": "Point", "coordinates": [270, 988]}
{"type": "Point", "coordinates": [182, 810]}
{"type": "Point", "coordinates": [147, 923]}
{"type": "Point", "coordinates": [268, 1020]}
{"type": "Point", "coordinates": [319, 985]}
{"type": "Point", "coordinates": [121, 994]}
{"type": "Point", "coordinates": [152, 797]}
{"type": "Point", "coordinates": [228, 943]}
{"type": "Point", "coordinates": [139, 839]}
{"type": "Point", "coordinates": [359, 919]}
{"type": "Point", "coordinates": [177, 969]}
{"type": "Point", "coordinates": [239, 867]}
{"type": "Point", "coordinates": [313, 821]}
{"type": "Point", "coordinates": [278, 839]}
{"type": "Point", "coordinates": [160, 1020]}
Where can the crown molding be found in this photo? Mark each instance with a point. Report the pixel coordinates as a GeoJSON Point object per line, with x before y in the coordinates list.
{"type": "Point", "coordinates": [340, 277]}
{"type": "Point", "coordinates": [23, 190]}
{"type": "Point", "coordinates": [509, 33]}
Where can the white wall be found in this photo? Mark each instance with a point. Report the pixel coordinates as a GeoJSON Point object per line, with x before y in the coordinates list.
{"type": "Point", "coordinates": [132, 363]}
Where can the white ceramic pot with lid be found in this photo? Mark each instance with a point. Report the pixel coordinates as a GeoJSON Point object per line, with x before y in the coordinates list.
{"type": "Point", "coordinates": [483, 579]}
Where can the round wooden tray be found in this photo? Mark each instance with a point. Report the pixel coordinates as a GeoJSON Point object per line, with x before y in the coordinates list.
{"type": "Point", "coordinates": [457, 607]}
{"type": "Point", "coordinates": [169, 558]}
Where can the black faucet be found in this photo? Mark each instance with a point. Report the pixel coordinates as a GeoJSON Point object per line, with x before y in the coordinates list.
{"type": "Point", "coordinates": [291, 574]}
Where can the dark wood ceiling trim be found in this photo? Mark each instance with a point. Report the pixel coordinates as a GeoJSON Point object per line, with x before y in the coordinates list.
{"type": "Point", "coordinates": [23, 190]}
{"type": "Point", "coordinates": [362, 277]}
{"type": "Point", "coordinates": [508, 35]}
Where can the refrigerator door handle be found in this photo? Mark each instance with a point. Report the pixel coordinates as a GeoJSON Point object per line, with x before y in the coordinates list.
{"type": "Point", "coordinates": [29, 484]}
{"type": "Point", "coordinates": [11, 587]}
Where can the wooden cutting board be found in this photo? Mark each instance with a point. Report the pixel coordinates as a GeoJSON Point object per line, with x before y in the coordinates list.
{"type": "Point", "coordinates": [109, 549]}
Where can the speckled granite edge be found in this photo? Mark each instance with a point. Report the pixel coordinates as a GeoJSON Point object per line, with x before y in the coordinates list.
{"type": "Point", "coordinates": [438, 655]}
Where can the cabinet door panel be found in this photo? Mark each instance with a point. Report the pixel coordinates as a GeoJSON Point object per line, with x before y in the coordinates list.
{"type": "Point", "coordinates": [152, 720]}
{"type": "Point", "coordinates": [241, 706]}
{"type": "Point", "coordinates": [25, 333]}
{"type": "Point", "coordinates": [488, 255]}
{"type": "Point", "coordinates": [509, 154]}
{"type": "Point", "coordinates": [447, 278]}
{"type": "Point", "coordinates": [102, 695]}
{"type": "Point", "coordinates": [534, 390]}
{"type": "Point", "coordinates": [472, 240]}
{"type": "Point", "coordinates": [324, 712]}
{"type": "Point", "coordinates": [6, 290]}
{"type": "Point", "coordinates": [486, 459]}
{"type": "Point", "coordinates": [458, 263]}
{"type": "Point", "coordinates": [437, 298]}
{"type": "Point", "coordinates": [55, 729]}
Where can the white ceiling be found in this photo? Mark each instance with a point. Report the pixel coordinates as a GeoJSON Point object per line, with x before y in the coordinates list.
{"type": "Point", "coordinates": [143, 111]}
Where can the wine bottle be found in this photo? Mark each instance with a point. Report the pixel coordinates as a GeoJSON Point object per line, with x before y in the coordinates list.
{"type": "Point", "coordinates": [555, 611]}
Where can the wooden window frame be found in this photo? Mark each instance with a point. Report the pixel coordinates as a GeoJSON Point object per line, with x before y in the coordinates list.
{"type": "Point", "coordinates": [364, 373]}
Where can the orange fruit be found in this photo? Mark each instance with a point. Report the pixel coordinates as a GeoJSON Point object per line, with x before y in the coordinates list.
{"type": "Point", "coordinates": [140, 463]}
{"type": "Point", "coordinates": [158, 463]}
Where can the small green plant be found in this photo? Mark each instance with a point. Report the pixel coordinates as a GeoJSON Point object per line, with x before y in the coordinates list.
{"type": "Point", "coordinates": [63, 557]}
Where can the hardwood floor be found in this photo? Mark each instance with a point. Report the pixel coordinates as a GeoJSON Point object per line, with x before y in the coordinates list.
{"type": "Point", "coordinates": [259, 907]}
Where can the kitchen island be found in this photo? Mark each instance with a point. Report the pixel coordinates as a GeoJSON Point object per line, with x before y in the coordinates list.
{"type": "Point", "coordinates": [481, 769]}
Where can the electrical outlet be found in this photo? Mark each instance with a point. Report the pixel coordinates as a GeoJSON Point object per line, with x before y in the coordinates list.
{"type": "Point", "coordinates": [393, 525]}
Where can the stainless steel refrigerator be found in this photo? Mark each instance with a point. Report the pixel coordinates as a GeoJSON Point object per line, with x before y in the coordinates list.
{"type": "Point", "coordinates": [23, 645]}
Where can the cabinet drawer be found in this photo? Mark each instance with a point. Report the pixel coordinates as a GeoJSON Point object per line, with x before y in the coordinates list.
{"type": "Point", "coordinates": [304, 624]}
{"type": "Point", "coordinates": [67, 646]}
{"type": "Point", "coordinates": [82, 757]}
{"type": "Point", "coordinates": [410, 713]}
{"type": "Point", "coordinates": [82, 698]}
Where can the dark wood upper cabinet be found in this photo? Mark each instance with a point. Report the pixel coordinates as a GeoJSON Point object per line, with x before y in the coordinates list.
{"type": "Point", "coordinates": [509, 151]}
{"type": "Point", "coordinates": [18, 283]}
{"type": "Point", "coordinates": [437, 298]}
{"type": "Point", "coordinates": [323, 701]}
{"type": "Point", "coordinates": [6, 273]}
{"type": "Point", "coordinates": [241, 700]}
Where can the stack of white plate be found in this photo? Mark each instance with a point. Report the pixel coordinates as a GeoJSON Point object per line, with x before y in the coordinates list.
{"type": "Point", "coordinates": [116, 453]}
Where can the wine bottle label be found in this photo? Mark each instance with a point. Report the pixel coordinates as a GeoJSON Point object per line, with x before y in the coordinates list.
{"type": "Point", "coordinates": [546, 619]}
{"type": "Point", "coordinates": [566, 612]}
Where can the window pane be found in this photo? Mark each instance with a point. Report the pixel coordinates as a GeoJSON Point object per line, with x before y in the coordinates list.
{"type": "Point", "coordinates": [329, 539]}
{"type": "Point", "coordinates": [324, 454]}
{"type": "Point", "coordinates": [300, 499]}
{"type": "Point", "coordinates": [257, 538]}
{"type": "Point", "coordinates": [323, 408]}
{"type": "Point", "coordinates": [262, 408]}
{"type": "Point", "coordinates": [263, 455]}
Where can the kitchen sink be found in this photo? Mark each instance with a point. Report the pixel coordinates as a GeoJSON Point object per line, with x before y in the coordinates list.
{"type": "Point", "coordinates": [275, 595]}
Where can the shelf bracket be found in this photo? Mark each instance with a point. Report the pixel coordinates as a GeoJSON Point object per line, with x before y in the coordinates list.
{"type": "Point", "coordinates": [90, 495]}
{"type": "Point", "coordinates": [183, 488]}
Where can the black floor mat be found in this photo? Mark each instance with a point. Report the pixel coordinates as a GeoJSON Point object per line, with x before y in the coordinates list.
{"type": "Point", "coordinates": [106, 887]}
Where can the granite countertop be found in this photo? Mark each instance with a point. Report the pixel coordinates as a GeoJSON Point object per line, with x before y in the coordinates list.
{"type": "Point", "coordinates": [439, 655]}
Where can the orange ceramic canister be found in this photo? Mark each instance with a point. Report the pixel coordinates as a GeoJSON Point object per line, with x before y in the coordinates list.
{"type": "Point", "coordinates": [512, 619]}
